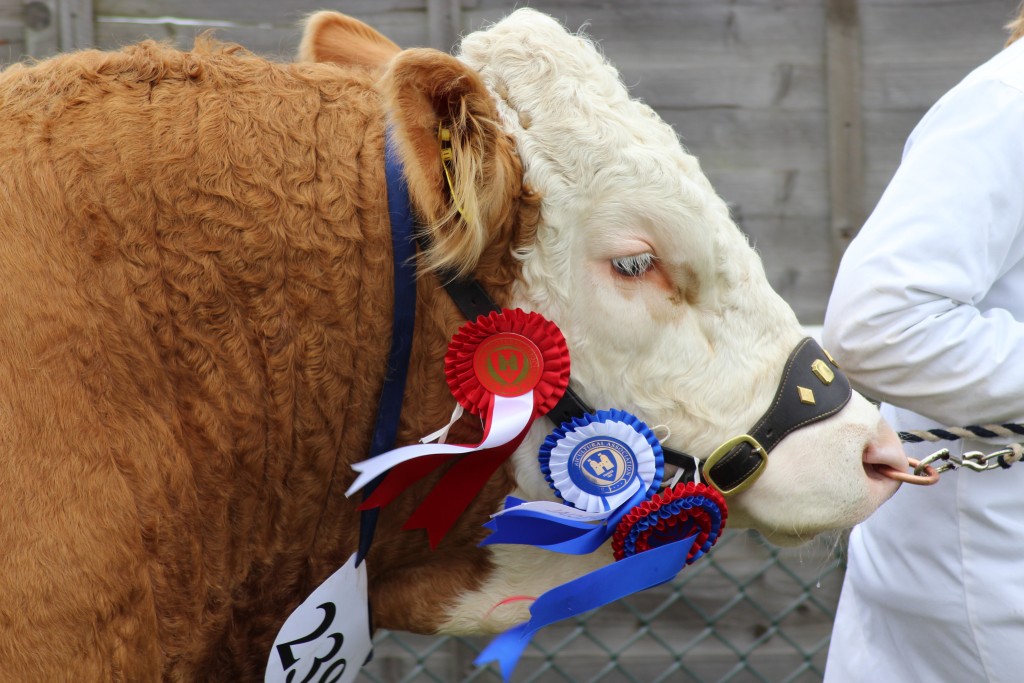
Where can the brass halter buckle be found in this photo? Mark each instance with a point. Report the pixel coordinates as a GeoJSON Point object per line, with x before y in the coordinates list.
{"type": "Point", "coordinates": [727, 448]}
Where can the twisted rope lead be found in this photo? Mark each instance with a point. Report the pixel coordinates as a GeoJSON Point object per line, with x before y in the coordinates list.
{"type": "Point", "coordinates": [968, 432]}
{"type": "Point", "coordinates": [1008, 455]}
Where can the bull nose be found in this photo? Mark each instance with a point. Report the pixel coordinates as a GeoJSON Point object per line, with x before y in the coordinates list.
{"type": "Point", "coordinates": [885, 450]}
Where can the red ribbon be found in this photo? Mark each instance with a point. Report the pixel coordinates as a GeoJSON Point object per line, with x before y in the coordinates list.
{"type": "Point", "coordinates": [503, 354]}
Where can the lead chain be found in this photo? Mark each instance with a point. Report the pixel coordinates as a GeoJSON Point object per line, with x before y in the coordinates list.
{"type": "Point", "coordinates": [972, 460]}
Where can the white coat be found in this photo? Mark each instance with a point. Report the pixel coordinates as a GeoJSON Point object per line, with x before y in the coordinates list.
{"type": "Point", "coordinates": [927, 313]}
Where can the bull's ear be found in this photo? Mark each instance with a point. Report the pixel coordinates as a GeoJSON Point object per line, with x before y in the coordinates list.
{"type": "Point", "coordinates": [338, 38]}
{"type": "Point", "coordinates": [463, 172]}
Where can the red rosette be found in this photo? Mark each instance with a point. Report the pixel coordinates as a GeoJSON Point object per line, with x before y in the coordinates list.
{"type": "Point", "coordinates": [670, 516]}
{"type": "Point", "coordinates": [507, 354]}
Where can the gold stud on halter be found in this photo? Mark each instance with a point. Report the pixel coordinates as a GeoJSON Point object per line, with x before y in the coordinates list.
{"type": "Point", "coordinates": [444, 139]}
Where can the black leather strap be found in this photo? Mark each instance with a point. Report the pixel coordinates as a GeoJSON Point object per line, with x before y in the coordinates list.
{"type": "Point", "coordinates": [812, 388]}
{"type": "Point", "coordinates": [469, 296]}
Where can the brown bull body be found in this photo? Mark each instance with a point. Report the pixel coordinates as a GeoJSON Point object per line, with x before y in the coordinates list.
{"type": "Point", "coordinates": [195, 316]}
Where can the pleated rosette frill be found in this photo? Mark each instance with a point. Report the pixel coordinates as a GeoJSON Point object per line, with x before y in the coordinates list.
{"type": "Point", "coordinates": [602, 465]}
{"type": "Point", "coordinates": [597, 462]}
{"type": "Point", "coordinates": [684, 510]}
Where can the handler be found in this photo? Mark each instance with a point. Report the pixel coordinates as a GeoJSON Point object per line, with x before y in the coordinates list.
{"type": "Point", "coordinates": [928, 314]}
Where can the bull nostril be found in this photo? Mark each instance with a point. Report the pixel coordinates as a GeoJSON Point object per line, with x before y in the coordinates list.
{"type": "Point", "coordinates": [885, 449]}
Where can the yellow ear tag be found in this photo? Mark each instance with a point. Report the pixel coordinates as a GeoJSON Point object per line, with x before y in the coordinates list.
{"type": "Point", "coordinates": [444, 139]}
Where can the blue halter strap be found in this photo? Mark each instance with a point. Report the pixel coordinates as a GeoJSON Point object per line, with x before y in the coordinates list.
{"type": "Point", "coordinates": [403, 247]}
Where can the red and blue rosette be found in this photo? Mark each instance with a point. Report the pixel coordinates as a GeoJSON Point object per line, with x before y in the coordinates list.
{"type": "Point", "coordinates": [508, 368]}
{"type": "Point", "coordinates": [602, 465]}
{"type": "Point", "coordinates": [653, 542]}
{"type": "Point", "coordinates": [670, 516]}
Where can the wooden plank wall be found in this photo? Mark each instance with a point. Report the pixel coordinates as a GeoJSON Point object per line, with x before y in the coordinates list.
{"type": "Point", "coordinates": [12, 31]}
{"type": "Point", "coordinates": [914, 51]}
{"type": "Point", "coordinates": [764, 92]}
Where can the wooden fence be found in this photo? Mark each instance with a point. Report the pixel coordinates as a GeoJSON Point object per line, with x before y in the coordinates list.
{"type": "Point", "coordinates": [798, 109]}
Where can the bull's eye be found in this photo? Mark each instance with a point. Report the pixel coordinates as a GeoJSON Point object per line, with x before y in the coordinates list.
{"type": "Point", "coordinates": [633, 266]}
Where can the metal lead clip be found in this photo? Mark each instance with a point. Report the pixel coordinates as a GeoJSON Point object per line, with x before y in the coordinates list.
{"type": "Point", "coordinates": [972, 460]}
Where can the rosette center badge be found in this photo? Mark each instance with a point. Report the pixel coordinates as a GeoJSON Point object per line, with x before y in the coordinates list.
{"type": "Point", "coordinates": [602, 466]}
{"type": "Point", "coordinates": [508, 364]}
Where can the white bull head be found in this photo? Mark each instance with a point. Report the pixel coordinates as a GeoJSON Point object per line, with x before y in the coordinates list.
{"type": "Point", "coordinates": [665, 306]}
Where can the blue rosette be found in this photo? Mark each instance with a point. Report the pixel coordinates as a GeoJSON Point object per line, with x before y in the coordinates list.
{"type": "Point", "coordinates": [653, 542]}
{"type": "Point", "coordinates": [602, 465]}
{"type": "Point", "coordinates": [598, 461]}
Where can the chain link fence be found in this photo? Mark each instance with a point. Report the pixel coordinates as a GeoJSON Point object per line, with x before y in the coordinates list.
{"type": "Point", "coordinates": [748, 612]}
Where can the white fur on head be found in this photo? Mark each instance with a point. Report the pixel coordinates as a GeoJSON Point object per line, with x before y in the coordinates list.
{"type": "Point", "coordinates": [664, 305]}
{"type": "Point", "coordinates": [614, 182]}
{"type": "Point", "coordinates": [698, 341]}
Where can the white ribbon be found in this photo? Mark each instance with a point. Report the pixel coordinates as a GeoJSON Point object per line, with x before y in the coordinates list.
{"type": "Point", "coordinates": [559, 510]}
{"type": "Point", "coordinates": [441, 435]}
{"type": "Point", "coordinates": [510, 417]}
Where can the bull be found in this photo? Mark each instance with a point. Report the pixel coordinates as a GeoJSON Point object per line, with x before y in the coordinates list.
{"type": "Point", "coordinates": [196, 303]}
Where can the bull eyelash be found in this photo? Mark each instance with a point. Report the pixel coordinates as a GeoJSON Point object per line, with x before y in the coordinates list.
{"type": "Point", "coordinates": [635, 265]}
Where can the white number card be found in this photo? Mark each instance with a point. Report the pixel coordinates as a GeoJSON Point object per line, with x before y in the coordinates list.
{"type": "Point", "coordinates": [327, 638]}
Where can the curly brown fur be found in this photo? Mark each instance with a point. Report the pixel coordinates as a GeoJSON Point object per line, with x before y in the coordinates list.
{"type": "Point", "coordinates": [195, 307]}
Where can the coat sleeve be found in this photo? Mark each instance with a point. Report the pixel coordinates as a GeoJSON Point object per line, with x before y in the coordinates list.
{"type": "Point", "coordinates": [906, 318]}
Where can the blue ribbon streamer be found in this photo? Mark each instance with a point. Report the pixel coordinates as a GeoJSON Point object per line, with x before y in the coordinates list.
{"type": "Point", "coordinates": [596, 589]}
{"type": "Point", "coordinates": [558, 534]}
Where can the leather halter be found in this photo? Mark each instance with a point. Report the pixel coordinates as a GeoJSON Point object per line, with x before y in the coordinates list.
{"type": "Point", "coordinates": [812, 388]}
